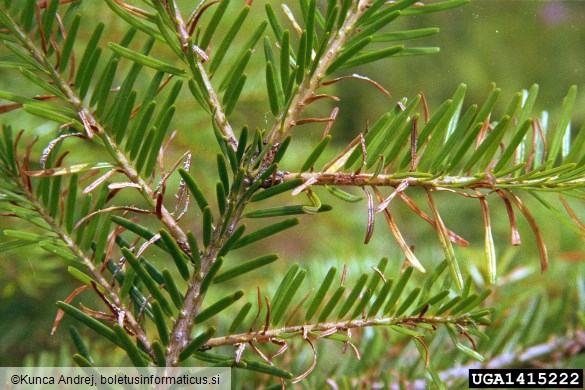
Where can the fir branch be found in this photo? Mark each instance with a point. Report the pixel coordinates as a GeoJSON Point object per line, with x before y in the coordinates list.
{"type": "Point", "coordinates": [442, 182]}
{"type": "Point", "coordinates": [217, 109]}
{"type": "Point", "coordinates": [566, 346]}
{"type": "Point", "coordinates": [93, 127]}
{"type": "Point", "coordinates": [341, 326]}
{"type": "Point", "coordinates": [194, 296]}
{"type": "Point", "coordinates": [254, 166]}
{"type": "Point", "coordinates": [309, 85]}
{"type": "Point", "coordinates": [213, 101]}
{"type": "Point", "coordinates": [95, 271]}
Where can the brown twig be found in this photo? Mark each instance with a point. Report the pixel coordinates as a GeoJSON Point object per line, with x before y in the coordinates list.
{"type": "Point", "coordinates": [328, 326]}
{"type": "Point", "coordinates": [310, 84]}
{"type": "Point", "coordinates": [443, 182]}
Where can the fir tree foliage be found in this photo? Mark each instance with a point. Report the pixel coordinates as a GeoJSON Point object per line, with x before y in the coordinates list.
{"type": "Point", "coordinates": [164, 314]}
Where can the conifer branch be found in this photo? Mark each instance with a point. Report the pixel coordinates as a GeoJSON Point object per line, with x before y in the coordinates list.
{"type": "Point", "coordinates": [443, 182]}
{"type": "Point", "coordinates": [69, 242]}
{"type": "Point", "coordinates": [213, 101]}
{"type": "Point", "coordinates": [306, 90]}
{"type": "Point", "coordinates": [194, 297]}
{"type": "Point", "coordinates": [470, 154]}
{"type": "Point", "coordinates": [263, 336]}
{"type": "Point", "coordinates": [565, 345]}
{"type": "Point", "coordinates": [217, 109]}
{"type": "Point", "coordinates": [94, 128]}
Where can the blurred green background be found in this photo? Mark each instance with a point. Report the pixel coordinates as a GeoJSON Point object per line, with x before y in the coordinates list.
{"type": "Point", "coordinates": [511, 43]}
